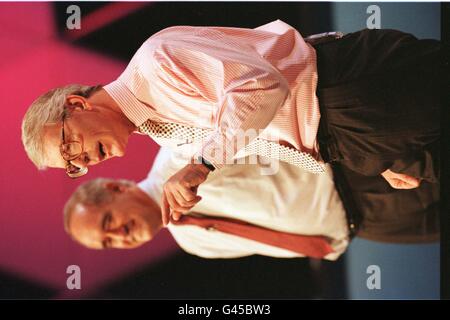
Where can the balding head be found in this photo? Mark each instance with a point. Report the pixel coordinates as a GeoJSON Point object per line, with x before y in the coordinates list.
{"type": "Point", "coordinates": [107, 213]}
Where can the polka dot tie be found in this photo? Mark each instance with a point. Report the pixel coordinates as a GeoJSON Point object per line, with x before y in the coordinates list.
{"type": "Point", "coordinates": [258, 146]}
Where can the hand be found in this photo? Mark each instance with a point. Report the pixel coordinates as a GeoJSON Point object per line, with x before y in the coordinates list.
{"type": "Point", "coordinates": [180, 191]}
{"type": "Point", "coordinates": [400, 181]}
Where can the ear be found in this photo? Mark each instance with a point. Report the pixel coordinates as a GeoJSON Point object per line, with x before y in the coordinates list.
{"type": "Point", "coordinates": [116, 186]}
{"type": "Point", "coordinates": [78, 101]}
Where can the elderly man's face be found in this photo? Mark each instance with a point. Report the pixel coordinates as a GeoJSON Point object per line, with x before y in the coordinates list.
{"type": "Point", "coordinates": [100, 132]}
{"type": "Point", "coordinates": [128, 221]}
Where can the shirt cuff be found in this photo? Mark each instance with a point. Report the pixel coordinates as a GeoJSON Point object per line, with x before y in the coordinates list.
{"type": "Point", "coordinates": [217, 150]}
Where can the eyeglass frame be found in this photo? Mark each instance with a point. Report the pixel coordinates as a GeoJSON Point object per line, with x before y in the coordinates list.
{"type": "Point", "coordinates": [83, 171]}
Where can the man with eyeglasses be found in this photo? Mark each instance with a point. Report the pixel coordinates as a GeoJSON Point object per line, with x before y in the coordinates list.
{"type": "Point", "coordinates": [82, 128]}
{"type": "Point", "coordinates": [374, 111]}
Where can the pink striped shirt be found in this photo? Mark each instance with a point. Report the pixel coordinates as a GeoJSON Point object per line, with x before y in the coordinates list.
{"type": "Point", "coordinates": [225, 79]}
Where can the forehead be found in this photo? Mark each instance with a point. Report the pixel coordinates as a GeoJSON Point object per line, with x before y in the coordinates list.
{"type": "Point", "coordinates": [52, 134]}
{"type": "Point", "coordinates": [86, 224]}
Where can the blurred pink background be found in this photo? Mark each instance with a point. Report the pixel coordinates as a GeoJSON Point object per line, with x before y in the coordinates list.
{"type": "Point", "coordinates": [34, 245]}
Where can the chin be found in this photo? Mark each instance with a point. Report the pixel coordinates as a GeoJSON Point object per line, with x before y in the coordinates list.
{"type": "Point", "coordinates": [136, 245]}
{"type": "Point", "coordinates": [143, 232]}
{"type": "Point", "coordinates": [144, 237]}
{"type": "Point", "coordinates": [120, 153]}
{"type": "Point", "coordinates": [120, 150]}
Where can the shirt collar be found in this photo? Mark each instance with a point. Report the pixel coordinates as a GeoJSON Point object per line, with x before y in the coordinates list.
{"type": "Point", "coordinates": [136, 111]}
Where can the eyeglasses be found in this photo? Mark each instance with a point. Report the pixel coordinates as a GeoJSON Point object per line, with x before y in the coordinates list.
{"type": "Point", "coordinates": [70, 151]}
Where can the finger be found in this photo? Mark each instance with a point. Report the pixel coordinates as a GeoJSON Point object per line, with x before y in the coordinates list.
{"type": "Point", "coordinates": [181, 201]}
{"type": "Point", "coordinates": [408, 185]}
{"type": "Point", "coordinates": [393, 182]}
{"type": "Point", "coordinates": [400, 184]}
{"type": "Point", "coordinates": [172, 201]}
{"type": "Point", "coordinates": [400, 180]}
{"type": "Point", "coordinates": [182, 209]}
{"type": "Point", "coordinates": [188, 194]}
{"type": "Point", "coordinates": [188, 197]}
{"type": "Point", "coordinates": [165, 209]}
{"type": "Point", "coordinates": [403, 181]}
{"type": "Point", "coordinates": [410, 180]}
{"type": "Point", "coordinates": [387, 176]}
{"type": "Point", "coordinates": [176, 215]}
{"type": "Point", "coordinates": [176, 207]}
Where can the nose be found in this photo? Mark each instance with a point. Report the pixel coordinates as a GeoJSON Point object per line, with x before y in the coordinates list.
{"type": "Point", "coordinates": [85, 159]}
{"type": "Point", "coordinates": [79, 162]}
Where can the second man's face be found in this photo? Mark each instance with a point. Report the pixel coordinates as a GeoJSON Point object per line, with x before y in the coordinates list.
{"type": "Point", "coordinates": [126, 222]}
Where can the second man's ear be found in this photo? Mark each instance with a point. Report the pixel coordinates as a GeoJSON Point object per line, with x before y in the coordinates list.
{"type": "Point", "coordinates": [116, 187]}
